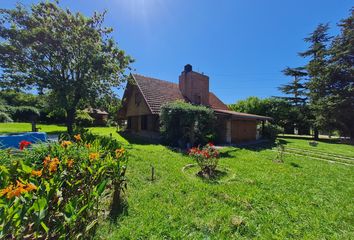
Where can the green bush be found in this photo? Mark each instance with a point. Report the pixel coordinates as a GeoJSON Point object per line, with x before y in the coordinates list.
{"type": "Point", "coordinates": [271, 131]}
{"type": "Point", "coordinates": [183, 123]}
{"type": "Point", "coordinates": [83, 119]}
{"type": "Point", "coordinates": [55, 191]}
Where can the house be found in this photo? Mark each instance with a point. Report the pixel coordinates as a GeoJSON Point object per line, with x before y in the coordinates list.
{"type": "Point", "coordinates": [99, 116]}
{"type": "Point", "coordinates": [144, 96]}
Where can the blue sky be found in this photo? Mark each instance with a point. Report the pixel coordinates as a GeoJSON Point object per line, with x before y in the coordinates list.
{"type": "Point", "coordinates": [242, 45]}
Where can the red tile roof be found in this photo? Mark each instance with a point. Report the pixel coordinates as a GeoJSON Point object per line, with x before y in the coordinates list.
{"type": "Point", "coordinates": [157, 92]}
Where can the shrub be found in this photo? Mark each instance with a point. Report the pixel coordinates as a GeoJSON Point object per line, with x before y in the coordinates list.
{"type": "Point", "coordinates": [53, 191]}
{"type": "Point", "coordinates": [207, 158]}
{"type": "Point", "coordinates": [271, 131]}
{"type": "Point", "coordinates": [83, 119]}
{"type": "Point", "coordinates": [183, 123]}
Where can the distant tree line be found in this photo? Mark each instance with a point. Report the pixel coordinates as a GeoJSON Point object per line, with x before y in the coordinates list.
{"type": "Point", "coordinates": [20, 106]}
{"type": "Point", "coordinates": [321, 94]}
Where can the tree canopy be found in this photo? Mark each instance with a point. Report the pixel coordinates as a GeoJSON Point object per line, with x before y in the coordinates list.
{"type": "Point", "coordinates": [69, 55]}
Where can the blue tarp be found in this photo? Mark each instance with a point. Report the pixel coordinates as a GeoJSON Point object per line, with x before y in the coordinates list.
{"type": "Point", "coordinates": [13, 141]}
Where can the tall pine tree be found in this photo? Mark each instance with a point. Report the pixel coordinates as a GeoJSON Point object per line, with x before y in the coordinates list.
{"type": "Point", "coordinates": [340, 81]}
{"type": "Point", "coordinates": [317, 70]}
{"type": "Point", "coordinates": [299, 115]}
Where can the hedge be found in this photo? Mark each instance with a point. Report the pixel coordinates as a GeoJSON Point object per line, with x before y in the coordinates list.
{"type": "Point", "coordinates": [185, 124]}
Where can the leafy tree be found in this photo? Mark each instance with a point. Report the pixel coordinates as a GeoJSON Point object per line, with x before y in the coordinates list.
{"type": "Point", "coordinates": [253, 105]}
{"type": "Point", "coordinates": [276, 108]}
{"type": "Point", "coordinates": [69, 55]}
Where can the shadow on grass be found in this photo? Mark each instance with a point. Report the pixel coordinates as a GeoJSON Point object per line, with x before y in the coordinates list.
{"type": "Point", "coordinates": [295, 165]}
{"type": "Point", "coordinates": [228, 153]}
{"type": "Point", "coordinates": [118, 208]}
{"type": "Point", "coordinates": [135, 139]}
{"type": "Point", "coordinates": [215, 179]}
{"type": "Point", "coordinates": [331, 141]}
{"type": "Point", "coordinates": [260, 146]}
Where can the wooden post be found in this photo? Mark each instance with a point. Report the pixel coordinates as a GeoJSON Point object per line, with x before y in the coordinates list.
{"type": "Point", "coordinates": [152, 173]}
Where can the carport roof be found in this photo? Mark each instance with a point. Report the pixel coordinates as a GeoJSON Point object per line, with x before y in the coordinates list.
{"type": "Point", "coordinates": [239, 115]}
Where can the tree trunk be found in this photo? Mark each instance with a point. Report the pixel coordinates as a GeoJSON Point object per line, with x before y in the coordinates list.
{"type": "Point", "coordinates": [315, 134]}
{"type": "Point", "coordinates": [70, 118]}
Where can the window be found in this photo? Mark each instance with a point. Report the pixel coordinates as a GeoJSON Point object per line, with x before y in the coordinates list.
{"type": "Point", "coordinates": [144, 122]}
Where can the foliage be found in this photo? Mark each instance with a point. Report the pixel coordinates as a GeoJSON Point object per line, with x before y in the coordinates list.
{"type": "Point", "coordinates": [207, 158]}
{"type": "Point", "coordinates": [183, 123]}
{"type": "Point", "coordinates": [4, 117]}
{"type": "Point", "coordinates": [25, 113]}
{"type": "Point", "coordinates": [329, 86]}
{"type": "Point", "coordinates": [271, 131]}
{"type": "Point", "coordinates": [278, 109]}
{"type": "Point", "coordinates": [83, 118]}
{"type": "Point", "coordinates": [252, 105]}
{"type": "Point", "coordinates": [252, 182]}
{"type": "Point", "coordinates": [109, 103]}
{"type": "Point", "coordinates": [71, 56]}
{"type": "Point", "coordinates": [53, 191]}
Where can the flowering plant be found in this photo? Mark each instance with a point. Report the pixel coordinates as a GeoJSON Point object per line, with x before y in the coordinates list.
{"type": "Point", "coordinates": [53, 191]}
{"type": "Point", "coordinates": [23, 144]}
{"type": "Point", "coordinates": [207, 158]}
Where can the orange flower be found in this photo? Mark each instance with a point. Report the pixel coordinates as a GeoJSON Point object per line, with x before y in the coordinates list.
{"type": "Point", "coordinates": [30, 187]}
{"type": "Point", "coordinates": [16, 192]}
{"type": "Point", "coordinates": [53, 165]}
{"type": "Point", "coordinates": [88, 146]}
{"type": "Point", "coordinates": [66, 144]}
{"type": "Point", "coordinates": [94, 156]}
{"type": "Point", "coordinates": [119, 152]}
{"type": "Point", "coordinates": [70, 163]}
{"type": "Point", "coordinates": [36, 173]}
{"type": "Point", "coordinates": [6, 190]}
{"type": "Point", "coordinates": [77, 137]}
{"type": "Point", "coordinates": [11, 192]}
{"type": "Point", "coordinates": [46, 160]}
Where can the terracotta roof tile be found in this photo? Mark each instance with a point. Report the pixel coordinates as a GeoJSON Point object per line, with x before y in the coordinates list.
{"type": "Point", "coordinates": [216, 103]}
{"type": "Point", "coordinates": [157, 92]}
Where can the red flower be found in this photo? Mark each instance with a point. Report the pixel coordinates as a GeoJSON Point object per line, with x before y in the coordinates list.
{"type": "Point", "coordinates": [24, 144]}
{"type": "Point", "coordinates": [210, 144]}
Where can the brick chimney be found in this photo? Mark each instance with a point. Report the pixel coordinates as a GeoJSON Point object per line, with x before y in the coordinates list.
{"type": "Point", "coordinates": [194, 86]}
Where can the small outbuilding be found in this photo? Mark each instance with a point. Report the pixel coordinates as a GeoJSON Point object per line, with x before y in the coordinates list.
{"type": "Point", "coordinates": [100, 116]}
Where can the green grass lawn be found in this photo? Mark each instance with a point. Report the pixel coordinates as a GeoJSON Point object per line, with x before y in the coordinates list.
{"type": "Point", "coordinates": [26, 127]}
{"type": "Point", "coordinates": [254, 197]}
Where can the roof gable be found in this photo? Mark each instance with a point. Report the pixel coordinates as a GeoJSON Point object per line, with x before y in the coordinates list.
{"type": "Point", "coordinates": [157, 92]}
